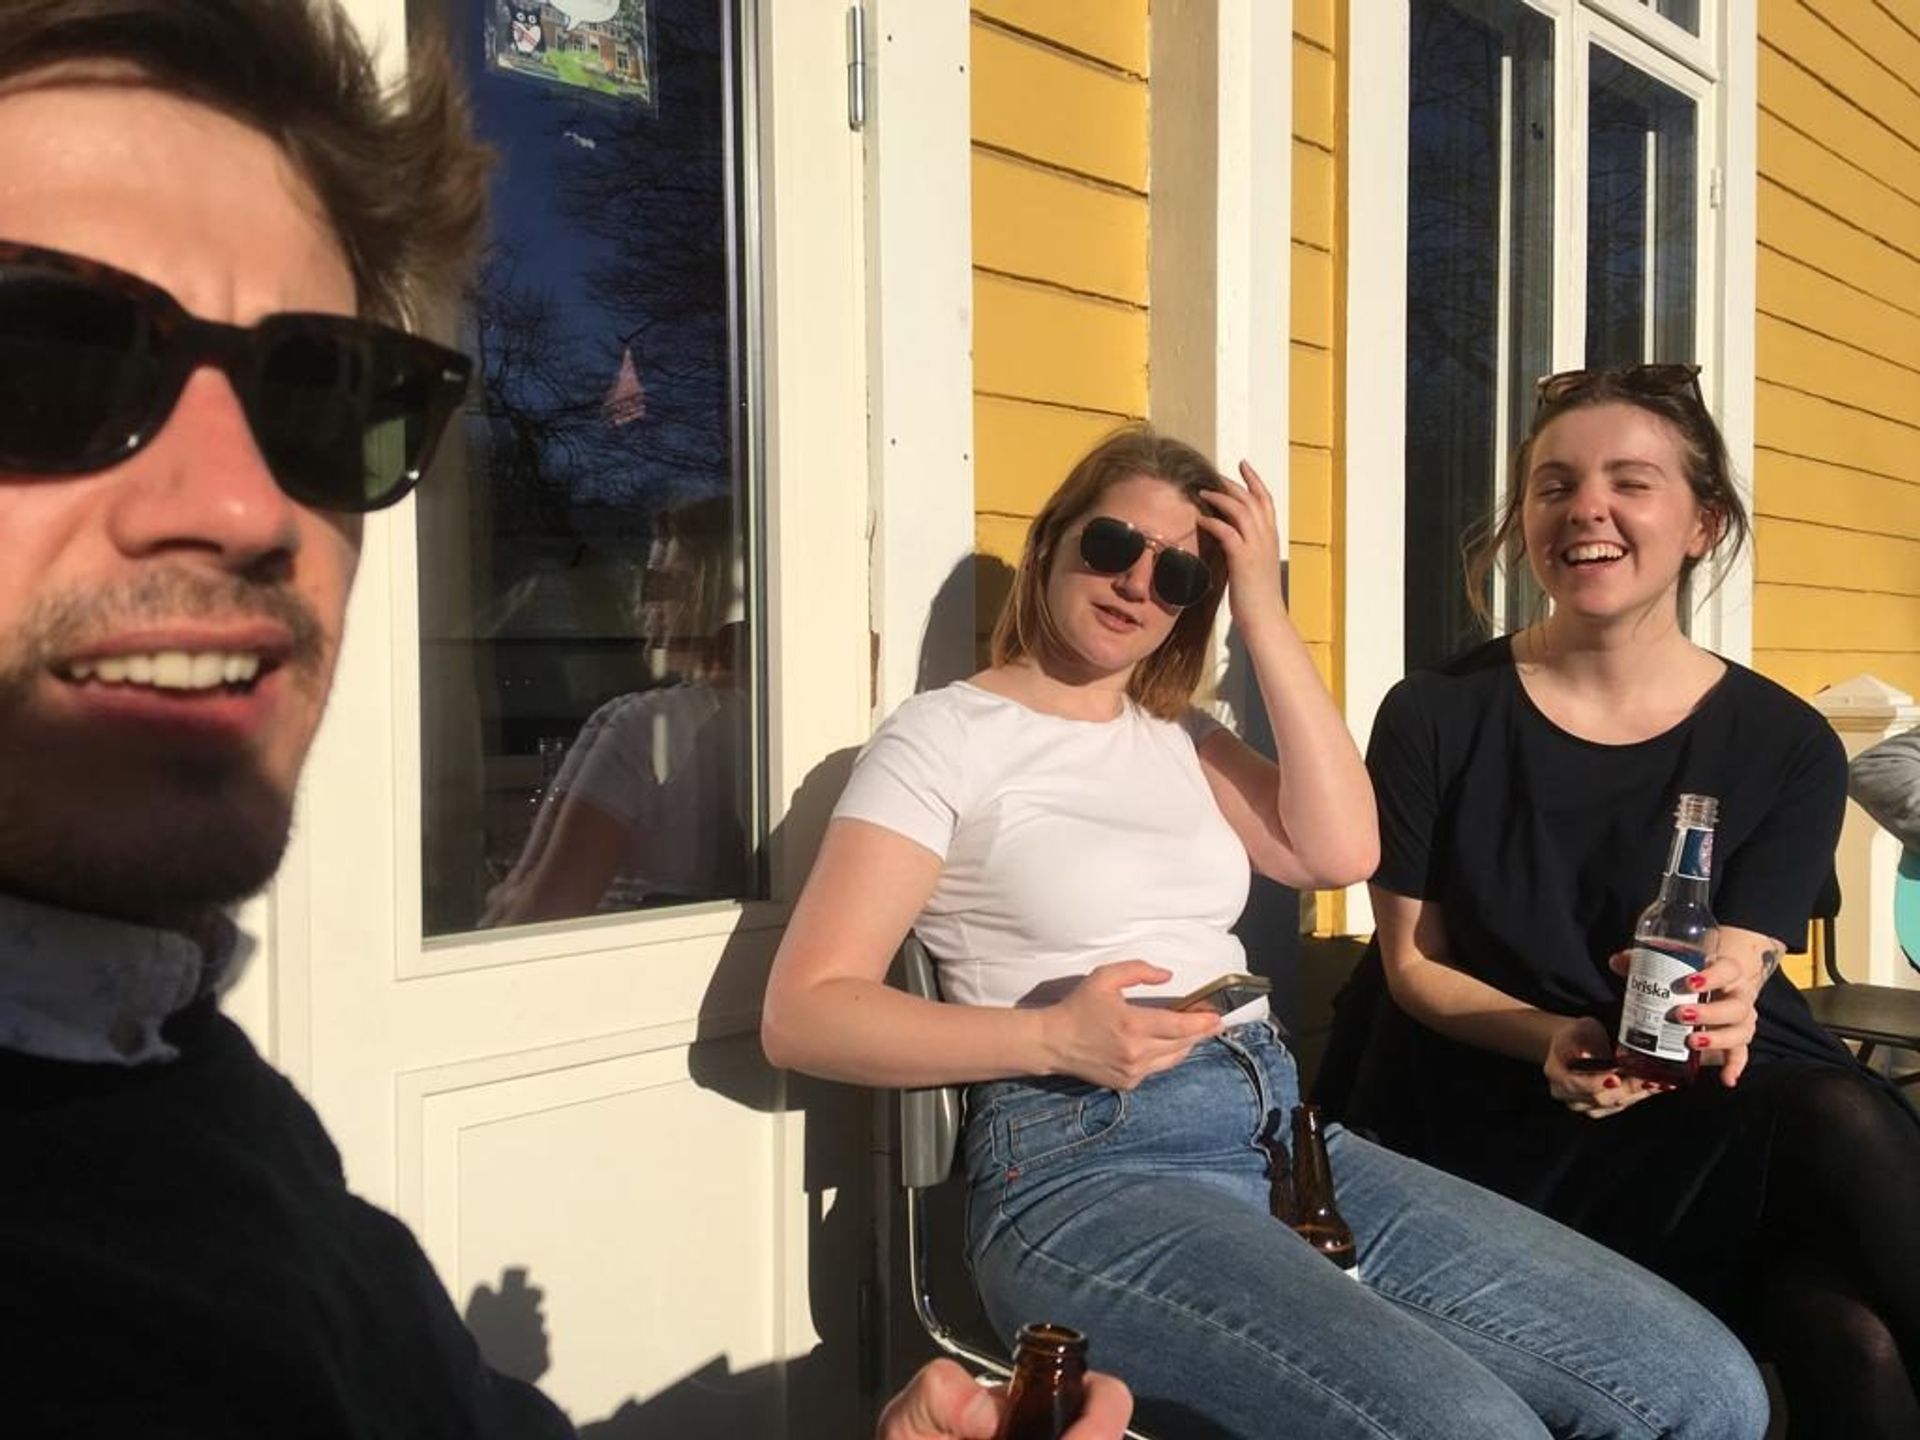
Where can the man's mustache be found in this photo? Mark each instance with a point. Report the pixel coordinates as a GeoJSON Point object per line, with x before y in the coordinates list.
{"type": "Point", "coordinates": [58, 625]}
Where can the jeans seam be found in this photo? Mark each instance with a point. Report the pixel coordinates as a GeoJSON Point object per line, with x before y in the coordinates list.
{"type": "Point", "coordinates": [1213, 1327]}
{"type": "Point", "coordinates": [1512, 1342]}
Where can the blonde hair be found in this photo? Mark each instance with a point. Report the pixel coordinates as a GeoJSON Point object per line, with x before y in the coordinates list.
{"type": "Point", "coordinates": [1162, 684]}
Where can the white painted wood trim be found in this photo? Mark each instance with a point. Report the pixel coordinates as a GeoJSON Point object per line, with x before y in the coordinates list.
{"type": "Point", "coordinates": [1374, 558]}
{"type": "Point", "coordinates": [919, 233]}
{"type": "Point", "coordinates": [1729, 612]}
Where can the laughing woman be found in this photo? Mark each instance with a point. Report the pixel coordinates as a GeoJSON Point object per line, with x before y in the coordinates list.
{"type": "Point", "coordinates": [1073, 841]}
{"type": "Point", "coordinates": [1527, 793]}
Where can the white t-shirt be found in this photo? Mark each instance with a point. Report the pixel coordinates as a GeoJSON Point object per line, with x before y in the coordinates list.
{"type": "Point", "coordinates": [1066, 844]}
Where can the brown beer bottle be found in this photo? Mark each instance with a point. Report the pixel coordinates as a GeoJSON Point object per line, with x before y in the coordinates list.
{"type": "Point", "coordinates": [1049, 1385]}
{"type": "Point", "coordinates": [1280, 1198]}
{"type": "Point", "coordinates": [1316, 1219]}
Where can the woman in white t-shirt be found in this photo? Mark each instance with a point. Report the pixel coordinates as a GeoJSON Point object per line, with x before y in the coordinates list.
{"type": "Point", "coordinates": [1073, 842]}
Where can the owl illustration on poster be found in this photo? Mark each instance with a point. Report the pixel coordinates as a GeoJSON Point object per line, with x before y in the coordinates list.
{"type": "Point", "coordinates": [598, 48]}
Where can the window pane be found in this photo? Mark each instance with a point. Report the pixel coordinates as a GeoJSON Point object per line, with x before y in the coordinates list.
{"type": "Point", "coordinates": [1479, 285]}
{"type": "Point", "coordinates": [589, 710]}
{"type": "Point", "coordinates": [1641, 209]}
{"type": "Point", "coordinates": [1684, 13]}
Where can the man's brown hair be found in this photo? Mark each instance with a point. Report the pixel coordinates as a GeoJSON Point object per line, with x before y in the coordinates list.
{"type": "Point", "coordinates": [1164, 682]}
{"type": "Point", "coordinates": [401, 178]}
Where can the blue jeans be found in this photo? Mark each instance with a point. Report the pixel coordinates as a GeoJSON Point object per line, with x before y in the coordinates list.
{"type": "Point", "coordinates": [1141, 1218]}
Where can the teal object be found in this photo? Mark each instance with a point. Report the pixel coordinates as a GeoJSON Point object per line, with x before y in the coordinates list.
{"type": "Point", "coordinates": [1906, 906]}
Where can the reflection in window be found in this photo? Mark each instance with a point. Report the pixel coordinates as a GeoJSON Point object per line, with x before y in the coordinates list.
{"type": "Point", "coordinates": [1640, 217]}
{"type": "Point", "coordinates": [1684, 13]}
{"type": "Point", "coordinates": [589, 711]}
{"type": "Point", "coordinates": [1479, 286]}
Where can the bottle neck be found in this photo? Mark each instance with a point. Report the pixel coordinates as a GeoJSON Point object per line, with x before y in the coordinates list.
{"type": "Point", "coordinates": [1689, 864]}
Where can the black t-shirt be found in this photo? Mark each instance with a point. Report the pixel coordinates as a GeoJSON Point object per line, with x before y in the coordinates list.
{"type": "Point", "coordinates": [1541, 849]}
{"type": "Point", "coordinates": [180, 1257]}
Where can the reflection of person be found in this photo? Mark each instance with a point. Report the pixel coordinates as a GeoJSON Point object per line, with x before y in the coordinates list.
{"type": "Point", "coordinates": [648, 805]}
{"type": "Point", "coordinates": [1527, 792]}
{"type": "Point", "coordinates": [1885, 780]}
{"type": "Point", "coordinates": [1063, 829]}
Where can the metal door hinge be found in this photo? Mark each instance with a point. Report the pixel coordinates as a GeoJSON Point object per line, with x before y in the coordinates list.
{"type": "Point", "coordinates": [856, 67]}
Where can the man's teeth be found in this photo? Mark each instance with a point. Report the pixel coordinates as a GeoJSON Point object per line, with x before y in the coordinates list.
{"type": "Point", "coordinates": [1576, 553]}
{"type": "Point", "coordinates": [170, 669]}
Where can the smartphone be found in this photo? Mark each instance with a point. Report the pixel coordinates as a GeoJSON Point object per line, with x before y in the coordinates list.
{"type": "Point", "coordinates": [1226, 994]}
{"type": "Point", "coordinates": [1592, 1064]}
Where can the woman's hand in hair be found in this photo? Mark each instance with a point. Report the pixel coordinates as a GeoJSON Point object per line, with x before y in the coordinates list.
{"type": "Point", "coordinates": [1100, 1036]}
{"type": "Point", "coordinates": [1243, 522]}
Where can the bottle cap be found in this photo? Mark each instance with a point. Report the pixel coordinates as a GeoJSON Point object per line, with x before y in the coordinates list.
{"type": "Point", "coordinates": [1697, 810]}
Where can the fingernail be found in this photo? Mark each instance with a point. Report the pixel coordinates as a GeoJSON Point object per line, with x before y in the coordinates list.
{"type": "Point", "coordinates": [1689, 1014]}
{"type": "Point", "coordinates": [1694, 982]}
{"type": "Point", "coordinates": [1609, 1082]}
{"type": "Point", "coordinates": [1698, 1042]}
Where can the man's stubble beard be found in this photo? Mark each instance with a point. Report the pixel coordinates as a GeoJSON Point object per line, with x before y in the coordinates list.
{"type": "Point", "coordinates": [147, 832]}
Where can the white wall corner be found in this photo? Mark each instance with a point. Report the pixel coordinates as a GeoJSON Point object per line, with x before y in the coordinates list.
{"type": "Point", "coordinates": [920, 343]}
{"type": "Point", "coordinates": [1374, 559]}
{"type": "Point", "coordinates": [1730, 623]}
{"type": "Point", "coordinates": [1221, 215]}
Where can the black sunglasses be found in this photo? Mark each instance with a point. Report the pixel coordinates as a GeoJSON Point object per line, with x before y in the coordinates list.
{"type": "Point", "coordinates": [1656, 382]}
{"type": "Point", "coordinates": [92, 361]}
{"type": "Point", "coordinates": [1110, 546]}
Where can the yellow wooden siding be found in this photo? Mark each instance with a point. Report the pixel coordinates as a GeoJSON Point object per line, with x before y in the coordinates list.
{"type": "Point", "coordinates": [1059, 97]}
{"type": "Point", "coordinates": [1314, 513]}
{"type": "Point", "coordinates": [1837, 345]}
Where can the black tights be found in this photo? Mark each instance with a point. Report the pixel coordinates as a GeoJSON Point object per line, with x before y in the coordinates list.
{"type": "Point", "coordinates": [1837, 1303]}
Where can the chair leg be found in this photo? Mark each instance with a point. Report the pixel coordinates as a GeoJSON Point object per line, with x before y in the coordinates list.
{"type": "Point", "coordinates": [1865, 1053]}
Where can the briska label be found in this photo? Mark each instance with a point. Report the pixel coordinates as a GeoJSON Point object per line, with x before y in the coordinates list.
{"type": "Point", "coordinates": [1657, 979]}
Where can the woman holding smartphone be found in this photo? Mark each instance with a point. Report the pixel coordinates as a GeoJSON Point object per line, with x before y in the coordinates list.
{"type": "Point", "coordinates": [1527, 792]}
{"type": "Point", "coordinates": [1073, 842]}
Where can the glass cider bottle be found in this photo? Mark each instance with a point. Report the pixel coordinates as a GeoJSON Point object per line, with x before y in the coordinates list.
{"type": "Point", "coordinates": [1315, 1217]}
{"type": "Point", "coordinates": [1670, 943]}
{"type": "Point", "coordinates": [1049, 1385]}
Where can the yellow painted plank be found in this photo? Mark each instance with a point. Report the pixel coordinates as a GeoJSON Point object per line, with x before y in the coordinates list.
{"type": "Point", "coordinates": [1310, 587]}
{"type": "Point", "coordinates": [1839, 183]}
{"type": "Point", "coordinates": [1314, 20]}
{"type": "Point", "coordinates": [1311, 395]}
{"type": "Point", "coordinates": [1806, 672]}
{"type": "Point", "coordinates": [1313, 291]}
{"type": "Point", "coordinates": [1044, 225]}
{"type": "Point", "coordinates": [1313, 92]}
{"type": "Point", "coordinates": [1839, 124]}
{"type": "Point", "coordinates": [1791, 552]}
{"type": "Point", "coordinates": [1788, 487]}
{"type": "Point", "coordinates": [1111, 30]}
{"type": "Point", "coordinates": [1800, 424]}
{"type": "Point", "coordinates": [1789, 355]}
{"type": "Point", "coordinates": [1313, 195]}
{"type": "Point", "coordinates": [1052, 107]}
{"type": "Point", "coordinates": [1789, 224]}
{"type": "Point", "coordinates": [1795, 291]}
{"type": "Point", "coordinates": [1895, 46]}
{"type": "Point", "coordinates": [1855, 88]}
{"type": "Point", "coordinates": [992, 580]}
{"type": "Point", "coordinates": [1022, 451]}
{"type": "Point", "coordinates": [1796, 617]}
{"type": "Point", "coordinates": [1000, 536]}
{"type": "Point", "coordinates": [1037, 343]}
{"type": "Point", "coordinates": [1310, 505]}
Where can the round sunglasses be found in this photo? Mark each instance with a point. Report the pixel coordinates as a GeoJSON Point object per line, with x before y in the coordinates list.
{"type": "Point", "coordinates": [93, 360]}
{"type": "Point", "coordinates": [1110, 546]}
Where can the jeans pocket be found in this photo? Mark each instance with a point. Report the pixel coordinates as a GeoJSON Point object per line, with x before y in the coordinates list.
{"type": "Point", "coordinates": [1055, 1128]}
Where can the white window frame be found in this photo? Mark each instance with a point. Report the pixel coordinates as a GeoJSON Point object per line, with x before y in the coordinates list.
{"type": "Point", "coordinates": [1717, 68]}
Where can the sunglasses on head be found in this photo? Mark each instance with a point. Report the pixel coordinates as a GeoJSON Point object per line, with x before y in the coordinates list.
{"type": "Point", "coordinates": [346, 412]}
{"type": "Point", "coordinates": [1111, 546]}
{"type": "Point", "coordinates": [1656, 382]}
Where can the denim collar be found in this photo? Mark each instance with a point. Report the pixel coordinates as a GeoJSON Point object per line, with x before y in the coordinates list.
{"type": "Point", "coordinates": [85, 988]}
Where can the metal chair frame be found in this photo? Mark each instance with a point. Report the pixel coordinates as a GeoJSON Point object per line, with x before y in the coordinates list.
{"type": "Point", "coordinates": [1869, 1015]}
{"type": "Point", "coordinates": [929, 1138]}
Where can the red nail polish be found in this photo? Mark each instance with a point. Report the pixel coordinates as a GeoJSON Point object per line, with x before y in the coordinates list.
{"type": "Point", "coordinates": [1698, 1042]}
{"type": "Point", "coordinates": [1694, 982]}
{"type": "Point", "coordinates": [1609, 1082]}
{"type": "Point", "coordinates": [1689, 1014]}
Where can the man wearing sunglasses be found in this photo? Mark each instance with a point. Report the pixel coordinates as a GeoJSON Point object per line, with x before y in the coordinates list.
{"type": "Point", "coordinates": [212, 226]}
